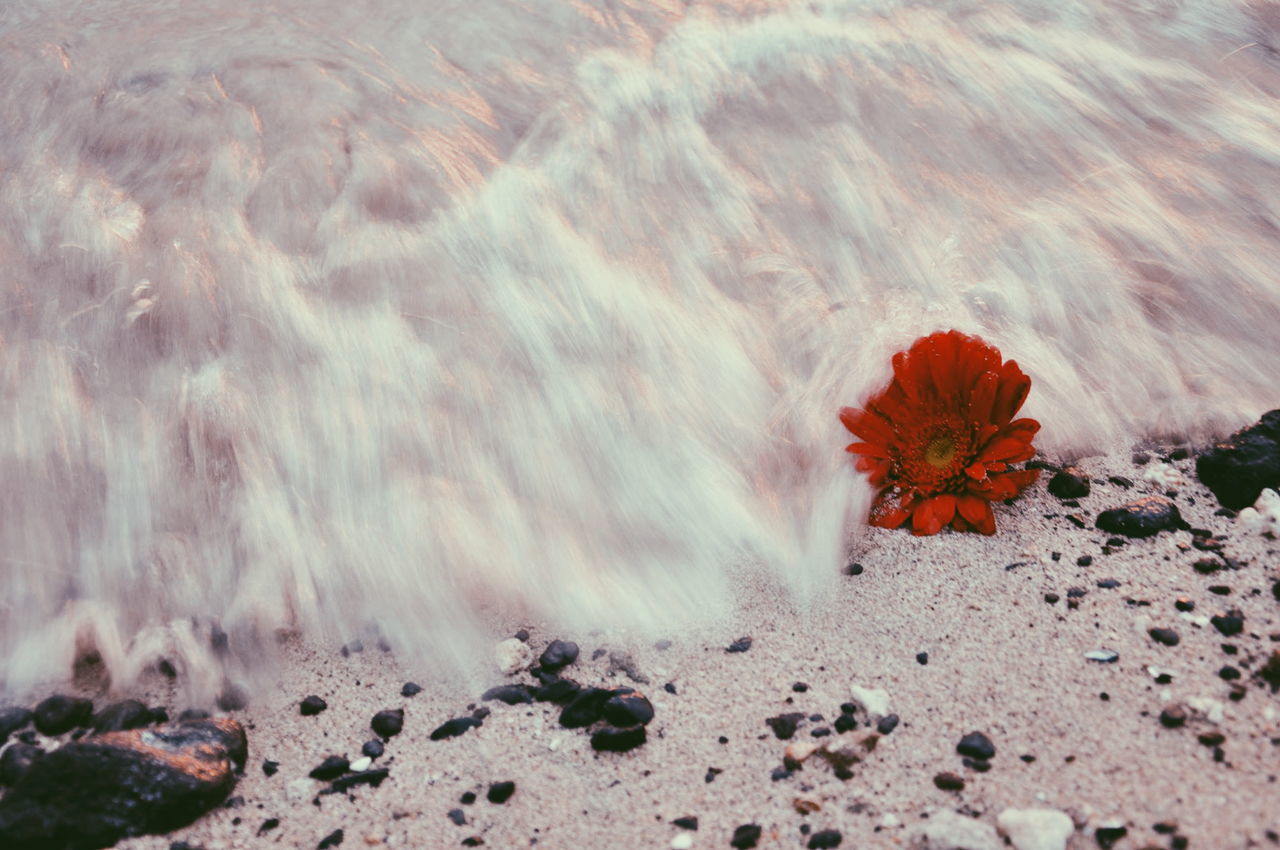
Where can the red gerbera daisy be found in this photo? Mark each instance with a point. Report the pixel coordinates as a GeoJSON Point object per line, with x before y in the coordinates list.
{"type": "Point", "coordinates": [939, 439]}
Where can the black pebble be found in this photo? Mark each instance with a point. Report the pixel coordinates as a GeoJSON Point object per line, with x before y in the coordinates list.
{"type": "Point", "coordinates": [1229, 624]}
{"type": "Point", "coordinates": [1168, 637]}
{"type": "Point", "coordinates": [1070, 483]}
{"type": "Point", "coordinates": [560, 691]}
{"type": "Point", "coordinates": [522, 635]}
{"type": "Point", "coordinates": [614, 740]}
{"type": "Point", "coordinates": [825, 839]}
{"type": "Point", "coordinates": [333, 839]}
{"type": "Point", "coordinates": [59, 714]}
{"type": "Point", "coordinates": [948, 782]}
{"type": "Point", "coordinates": [1107, 836]}
{"type": "Point", "coordinates": [410, 689]}
{"type": "Point", "coordinates": [1084, 561]}
{"type": "Point", "coordinates": [689, 822]}
{"type": "Point", "coordinates": [976, 745]}
{"type": "Point", "coordinates": [1229, 673]}
{"type": "Point", "coordinates": [373, 749]}
{"type": "Point", "coordinates": [500, 792]}
{"type": "Point", "coordinates": [742, 644]}
{"type": "Point", "coordinates": [467, 798]}
{"type": "Point", "coordinates": [1141, 518]}
{"type": "Point", "coordinates": [11, 720]}
{"type": "Point", "coordinates": [1173, 716]}
{"type": "Point", "coordinates": [670, 688]}
{"type": "Point", "coordinates": [119, 716]}
{"type": "Point", "coordinates": [799, 687]}
{"type": "Point", "coordinates": [745, 836]}
{"type": "Point", "coordinates": [1108, 584]}
{"type": "Point", "coordinates": [269, 767]}
{"type": "Point", "coordinates": [628, 708]}
{"type": "Point", "coordinates": [457, 816]}
{"type": "Point", "coordinates": [312, 705]}
{"type": "Point", "coordinates": [845, 722]}
{"type": "Point", "coordinates": [331, 768]}
{"type": "Point", "coordinates": [388, 723]}
{"type": "Point", "coordinates": [784, 725]}
{"type": "Point", "coordinates": [922, 658]}
{"type": "Point", "coordinates": [268, 825]}
{"type": "Point", "coordinates": [889, 722]}
{"type": "Point", "coordinates": [559, 653]}
{"type": "Point", "coordinates": [453, 728]}
{"type": "Point", "coordinates": [585, 708]}
{"type": "Point", "coordinates": [779, 774]}
{"type": "Point", "coordinates": [510, 694]}
{"type": "Point", "coordinates": [854, 570]}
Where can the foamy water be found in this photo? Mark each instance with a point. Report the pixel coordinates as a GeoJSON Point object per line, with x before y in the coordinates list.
{"type": "Point", "coordinates": [324, 314]}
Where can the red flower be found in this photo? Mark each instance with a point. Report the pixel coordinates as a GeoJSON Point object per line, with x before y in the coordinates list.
{"type": "Point", "coordinates": [939, 439]}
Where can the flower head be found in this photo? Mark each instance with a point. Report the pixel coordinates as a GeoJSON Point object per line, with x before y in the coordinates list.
{"type": "Point", "coordinates": [939, 440]}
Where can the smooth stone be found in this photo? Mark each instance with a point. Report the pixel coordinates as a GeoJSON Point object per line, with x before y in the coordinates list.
{"type": "Point", "coordinates": [388, 723]}
{"type": "Point", "coordinates": [410, 689]}
{"type": "Point", "coordinates": [1141, 518]}
{"type": "Point", "coordinates": [454, 727]}
{"type": "Point", "coordinates": [825, 839]}
{"type": "Point", "coordinates": [746, 836]}
{"type": "Point", "coordinates": [1240, 467]}
{"type": "Point", "coordinates": [331, 768]}
{"type": "Point", "coordinates": [628, 708]}
{"type": "Point", "coordinates": [875, 701]}
{"type": "Point", "coordinates": [1070, 483]}
{"type": "Point", "coordinates": [60, 714]}
{"type": "Point", "coordinates": [510, 694]}
{"type": "Point", "coordinates": [361, 764]}
{"type": "Point", "coordinates": [373, 749]}
{"type": "Point", "coordinates": [559, 653]}
{"type": "Point", "coordinates": [500, 792]}
{"type": "Point", "coordinates": [123, 715]}
{"type": "Point", "coordinates": [1036, 829]}
{"type": "Point", "coordinates": [560, 691]}
{"type": "Point", "coordinates": [586, 708]}
{"type": "Point", "coordinates": [614, 740]}
{"type": "Point", "coordinates": [100, 790]}
{"type": "Point", "coordinates": [312, 706]}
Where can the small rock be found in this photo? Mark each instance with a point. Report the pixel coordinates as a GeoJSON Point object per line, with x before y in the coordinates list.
{"type": "Point", "coordinates": [560, 691]}
{"type": "Point", "coordinates": [1070, 483]}
{"type": "Point", "coordinates": [1228, 624]}
{"type": "Point", "coordinates": [1173, 716]}
{"type": "Point", "coordinates": [796, 753]}
{"type": "Point", "coordinates": [688, 822]}
{"type": "Point", "coordinates": [373, 749]}
{"type": "Point", "coordinates": [622, 662]}
{"type": "Point", "coordinates": [628, 708]}
{"type": "Point", "coordinates": [948, 782]}
{"type": "Point", "coordinates": [1167, 637]}
{"type": "Point", "coordinates": [457, 816]}
{"type": "Point", "coordinates": [60, 714]}
{"type": "Point", "coordinates": [586, 708]}
{"type": "Point", "coordinates": [333, 839]}
{"type": "Point", "coordinates": [453, 728]}
{"type": "Point", "coordinates": [512, 655]}
{"type": "Point", "coordinates": [742, 644]}
{"type": "Point", "coordinates": [682, 841]}
{"type": "Point", "coordinates": [745, 836]}
{"type": "Point", "coordinates": [614, 740]}
{"type": "Point", "coordinates": [388, 723]}
{"type": "Point", "coordinates": [1108, 834]}
{"type": "Point", "coordinates": [1237, 469]}
{"type": "Point", "coordinates": [874, 701]}
{"type": "Point", "coordinates": [331, 768]}
{"type": "Point", "coordinates": [11, 720]}
{"type": "Point", "coordinates": [825, 839]}
{"type": "Point", "coordinates": [784, 725]}
{"type": "Point", "coordinates": [884, 726]}
{"type": "Point", "coordinates": [267, 825]}
{"type": "Point", "coordinates": [269, 767]}
{"type": "Point", "coordinates": [559, 653]}
{"type": "Point", "coordinates": [1142, 518]}
{"type": "Point", "coordinates": [976, 745]}
{"type": "Point", "coordinates": [510, 694]}
{"type": "Point", "coordinates": [410, 689]}
{"type": "Point", "coordinates": [1036, 829]}
{"type": "Point", "coordinates": [361, 764]}
{"type": "Point", "coordinates": [500, 792]}
{"type": "Point", "coordinates": [312, 706]}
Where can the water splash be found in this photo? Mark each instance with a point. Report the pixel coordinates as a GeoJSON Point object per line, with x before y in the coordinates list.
{"type": "Point", "coordinates": [317, 315]}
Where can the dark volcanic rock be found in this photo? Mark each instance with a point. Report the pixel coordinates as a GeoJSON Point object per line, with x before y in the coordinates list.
{"type": "Point", "coordinates": [312, 706]}
{"type": "Point", "coordinates": [745, 836]}
{"type": "Point", "coordinates": [331, 768]}
{"type": "Point", "coordinates": [560, 691]}
{"type": "Point", "coordinates": [388, 723]}
{"type": "Point", "coordinates": [1141, 518]}
{"type": "Point", "coordinates": [1070, 483]}
{"type": "Point", "coordinates": [614, 740]}
{"type": "Point", "coordinates": [586, 708]}
{"type": "Point", "coordinates": [948, 782]}
{"type": "Point", "coordinates": [500, 792]}
{"type": "Point", "coordinates": [825, 839]}
{"type": "Point", "coordinates": [351, 780]}
{"type": "Point", "coordinates": [742, 644]}
{"type": "Point", "coordinates": [559, 653]}
{"type": "Point", "coordinates": [628, 708]}
{"type": "Point", "coordinates": [1228, 624]}
{"type": "Point", "coordinates": [784, 725]}
{"type": "Point", "coordinates": [59, 714]}
{"type": "Point", "coordinates": [16, 760]}
{"type": "Point", "coordinates": [119, 716]}
{"type": "Point", "coordinates": [1168, 637]}
{"type": "Point", "coordinates": [887, 724]}
{"type": "Point", "coordinates": [373, 749]}
{"type": "Point", "coordinates": [510, 694]}
{"type": "Point", "coordinates": [97, 791]}
{"type": "Point", "coordinates": [333, 839]}
{"type": "Point", "coordinates": [1239, 468]}
{"type": "Point", "coordinates": [453, 728]}
{"type": "Point", "coordinates": [410, 689]}
{"type": "Point", "coordinates": [11, 720]}
{"type": "Point", "coordinates": [976, 745]}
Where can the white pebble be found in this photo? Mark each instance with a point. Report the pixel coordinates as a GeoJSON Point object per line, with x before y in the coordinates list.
{"type": "Point", "coordinates": [361, 764]}
{"type": "Point", "coordinates": [1163, 475]}
{"type": "Point", "coordinates": [1264, 516]}
{"type": "Point", "coordinates": [946, 830]}
{"type": "Point", "coordinates": [512, 655]}
{"type": "Point", "coordinates": [890, 820]}
{"type": "Point", "coordinates": [683, 841]}
{"type": "Point", "coordinates": [1210, 708]}
{"type": "Point", "coordinates": [1036, 829]}
{"type": "Point", "coordinates": [874, 700]}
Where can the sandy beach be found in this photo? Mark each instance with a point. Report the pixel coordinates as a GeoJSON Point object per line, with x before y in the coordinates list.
{"type": "Point", "coordinates": [1071, 734]}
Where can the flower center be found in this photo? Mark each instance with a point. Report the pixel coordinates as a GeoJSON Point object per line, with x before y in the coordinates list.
{"type": "Point", "coordinates": [940, 452]}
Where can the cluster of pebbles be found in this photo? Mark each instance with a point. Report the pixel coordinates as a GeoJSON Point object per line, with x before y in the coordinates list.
{"type": "Point", "coordinates": [74, 777]}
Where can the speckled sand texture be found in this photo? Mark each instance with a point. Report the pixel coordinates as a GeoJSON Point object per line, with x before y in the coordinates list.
{"type": "Point", "coordinates": [1001, 660]}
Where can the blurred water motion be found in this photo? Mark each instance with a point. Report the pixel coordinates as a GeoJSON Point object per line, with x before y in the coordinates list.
{"type": "Point", "coordinates": [322, 314]}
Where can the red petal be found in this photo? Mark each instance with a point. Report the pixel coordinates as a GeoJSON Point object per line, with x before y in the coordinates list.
{"type": "Point", "coordinates": [867, 449]}
{"type": "Point", "coordinates": [1014, 386]}
{"type": "Point", "coordinates": [890, 510]}
{"type": "Point", "coordinates": [1008, 450]}
{"type": "Point", "coordinates": [977, 513]}
{"type": "Point", "coordinates": [944, 507]}
{"type": "Point", "coordinates": [925, 519]}
{"type": "Point", "coordinates": [976, 471]}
